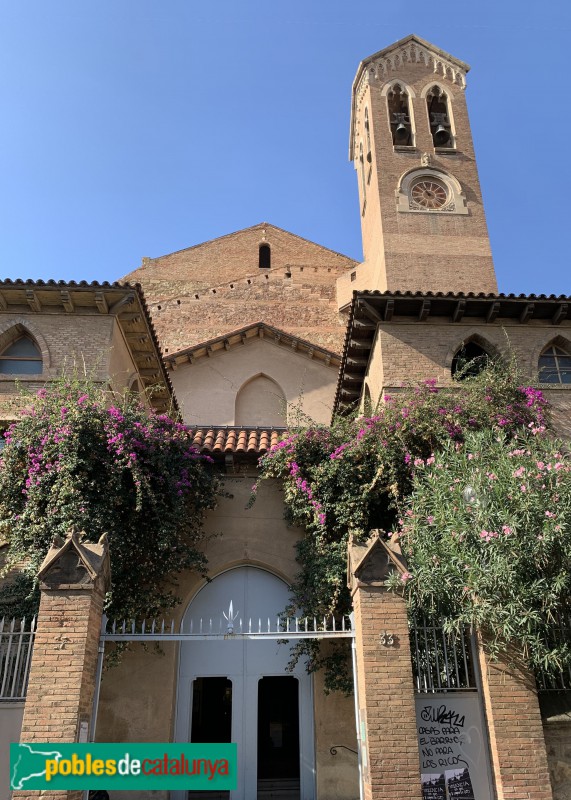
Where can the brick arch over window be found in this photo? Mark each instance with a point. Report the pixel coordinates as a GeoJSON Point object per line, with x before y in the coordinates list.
{"type": "Point", "coordinates": [260, 402]}
{"type": "Point", "coordinates": [13, 329]}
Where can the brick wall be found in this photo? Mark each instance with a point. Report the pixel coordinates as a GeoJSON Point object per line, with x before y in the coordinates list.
{"type": "Point", "coordinates": [386, 697]}
{"type": "Point", "coordinates": [216, 287]}
{"type": "Point", "coordinates": [420, 251]}
{"type": "Point", "coordinates": [519, 757]}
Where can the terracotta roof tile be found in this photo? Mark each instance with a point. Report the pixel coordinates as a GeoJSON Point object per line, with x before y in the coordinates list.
{"type": "Point", "coordinates": [241, 442]}
{"type": "Point", "coordinates": [236, 439]}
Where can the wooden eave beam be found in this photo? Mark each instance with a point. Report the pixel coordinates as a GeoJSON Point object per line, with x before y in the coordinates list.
{"type": "Point", "coordinates": [66, 301]}
{"type": "Point", "coordinates": [493, 312]}
{"type": "Point", "coordinates": [126, 300]}
{"type": "Point", "coordinates": [101, 303]}
{"type": "Point", "coordinates": [137, 338]}
{"type": "Point", "coordinates": [362, 325]}
{"type": "Point", "coordinates": [389, 310]}
{"type": "Point", "coordinates": [368, 310]}
{"type": "Point", "coordinates": [357, 362]}
{"type": "Point", "coordinates": [3, 303]}
{"type": "Point", "coordinates": [560, 314]}
{"type": "Point", "coordinates": [130, 316]}
{"type": "Point", "coordinates": [33, 301]}
{"type": "Point", "coordinates": [459, 311]}
{"type": "Point", "coordinates": [360, 344]}
{"type": "Point", "coordinates": [527, 312]}
{"type": "Point", "coordinates": [424, 310]}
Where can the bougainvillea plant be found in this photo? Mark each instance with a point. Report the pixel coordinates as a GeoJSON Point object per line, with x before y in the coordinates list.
{"type": "Point", "coordinates": [83, 458]}
{"type": "Point", "coordinates": [357, 474]}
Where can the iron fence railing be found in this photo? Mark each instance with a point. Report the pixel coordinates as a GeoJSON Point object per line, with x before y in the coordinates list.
{"type": "Point", "coordinates": [559, 637]}
{"type": "Point", "coordinates": [16, 644]}
{"type": "Point", "coordinates": [441, 662]}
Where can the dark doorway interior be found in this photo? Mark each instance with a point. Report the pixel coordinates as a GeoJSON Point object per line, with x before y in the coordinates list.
{"type": "Point", "coordinates": [211, 719]}
{"type": "Point", "coordinates": [278, 736]}
{"type": "Point", "coordinates": [211, 710]}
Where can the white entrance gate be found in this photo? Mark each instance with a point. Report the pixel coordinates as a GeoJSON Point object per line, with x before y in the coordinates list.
{"type": "Point", "coordinates": [232, 640]}
{"type": "Point", "coordinates": [258, 597]}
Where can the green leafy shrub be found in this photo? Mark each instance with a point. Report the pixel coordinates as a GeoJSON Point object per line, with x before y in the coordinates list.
{"type": "Point", "coordinates": [487, 534]}
{"type": "Point", "coordinates": [81, 458]}
{"type": "Point", "coordinates": [357, 474]}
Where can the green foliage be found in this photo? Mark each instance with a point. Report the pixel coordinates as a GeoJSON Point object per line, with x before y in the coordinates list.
{"type": "Point", "coordinates": [355, 475]}
{"type": "Point", "coordinates": [83, 458]}
{"type": "Point", "coordinates": [486, 531]}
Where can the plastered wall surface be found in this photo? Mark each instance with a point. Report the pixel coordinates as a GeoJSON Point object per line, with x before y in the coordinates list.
{"type": "Point", "coordinates": [207, 389]}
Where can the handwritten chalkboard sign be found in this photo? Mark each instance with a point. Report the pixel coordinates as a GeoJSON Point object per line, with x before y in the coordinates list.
{"type": "Point", "coordinates": [452, 747]}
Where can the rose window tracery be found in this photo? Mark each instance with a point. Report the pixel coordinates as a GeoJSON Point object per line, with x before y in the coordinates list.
{"type": "Point", "coordinates": [428, 194]}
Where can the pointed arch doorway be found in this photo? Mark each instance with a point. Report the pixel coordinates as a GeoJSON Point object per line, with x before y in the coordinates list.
{"type": "Point", "coordinates": [240, 691]}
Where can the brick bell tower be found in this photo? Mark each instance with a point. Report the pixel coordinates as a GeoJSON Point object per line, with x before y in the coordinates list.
{"type": "Point", "coordinates": [422, 216]}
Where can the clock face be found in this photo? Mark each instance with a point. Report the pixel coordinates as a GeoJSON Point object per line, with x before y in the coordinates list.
{"type": "Point", "coordinates": [428, 194]}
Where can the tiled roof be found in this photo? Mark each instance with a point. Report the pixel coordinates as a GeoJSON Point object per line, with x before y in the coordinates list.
{"type": "Point", "coordinates": [226, 440]}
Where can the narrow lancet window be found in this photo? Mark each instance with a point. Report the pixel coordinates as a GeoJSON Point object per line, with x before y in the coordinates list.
{"type": "Point", "coordinates": [439, 117]}
{"type": "Point", "coordinates": [265, 256]}
{"type": "Point", "coordinates": [399, 115]}
{"type": "Point", "coordinates": [368, 135]}
{"type": "Point", "coordinates": [362, 168]}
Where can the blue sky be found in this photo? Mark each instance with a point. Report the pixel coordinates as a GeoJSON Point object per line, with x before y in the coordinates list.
{"type": "Point", "coordinates": [138, 127]}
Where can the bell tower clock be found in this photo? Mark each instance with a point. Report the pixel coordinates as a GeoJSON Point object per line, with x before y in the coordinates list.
{"type": "Point", "coordinates": [422, 217]}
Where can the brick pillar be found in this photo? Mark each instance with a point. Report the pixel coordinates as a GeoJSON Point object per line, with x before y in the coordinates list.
{"type": "Point", "coordinates": [73, 580]}
{"type": "Point", "coordinates": [391, 766]}
{"type": "Point", "coordinates": [517, 744]}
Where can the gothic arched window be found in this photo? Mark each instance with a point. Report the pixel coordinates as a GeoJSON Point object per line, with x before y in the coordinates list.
{"type": "Point", "coordinates": [470, 359]}
{"type": "Point", "coordinates": [399, 115]}
{"type": "Point", "coordinates": [439, 117]}
{"type": "Point", "coordinates": [21, 357]}
{"type": "Point", "coordinates": [555, 365]}
{"type": "Point", "coordinates": [265, 256]}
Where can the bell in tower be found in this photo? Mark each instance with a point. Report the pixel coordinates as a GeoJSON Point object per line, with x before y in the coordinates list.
{"type": "Point", "coordinates": [422, 216]}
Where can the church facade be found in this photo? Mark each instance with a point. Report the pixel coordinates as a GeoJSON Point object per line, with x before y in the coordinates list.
{"type": "Point", "coordinates": [246, 332]}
